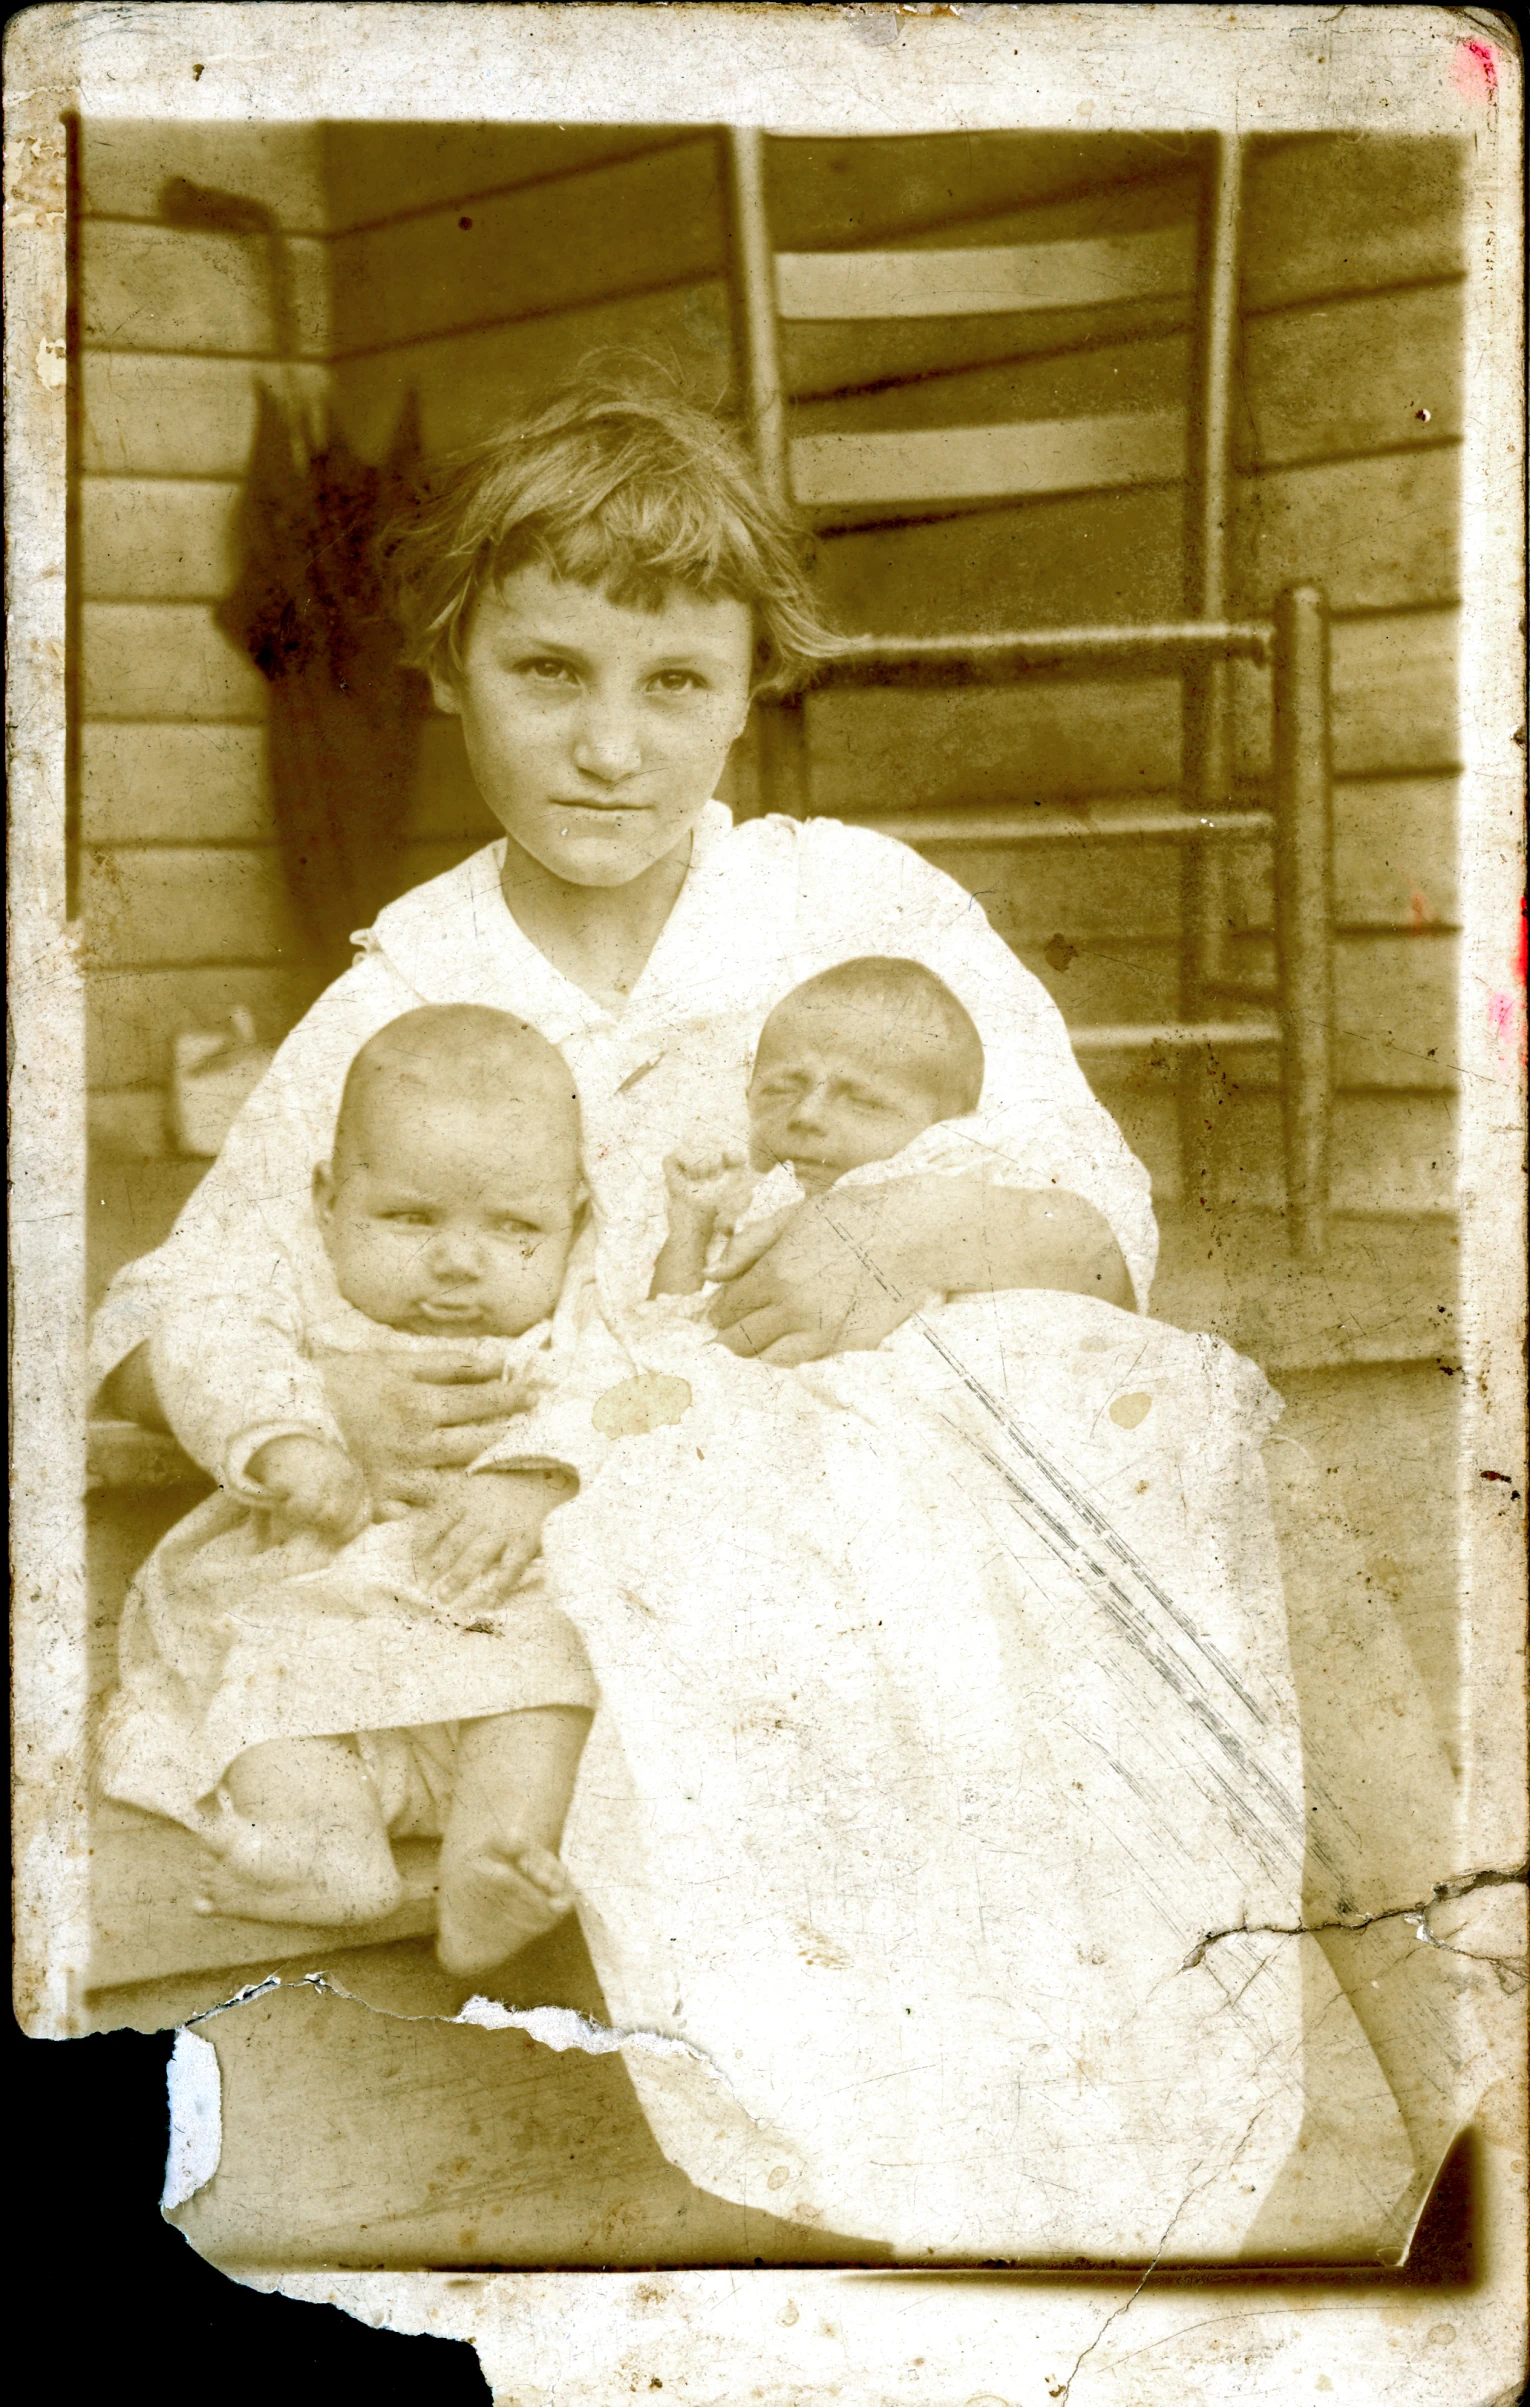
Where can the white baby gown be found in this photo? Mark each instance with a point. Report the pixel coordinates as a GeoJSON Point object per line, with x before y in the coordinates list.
{"type": "Point", "coordinates": [229, 1639]}
{"type": "Point", "coordinates": [946, 1797]}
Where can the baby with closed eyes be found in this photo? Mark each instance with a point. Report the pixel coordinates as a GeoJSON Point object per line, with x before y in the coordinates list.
{"type": "Point", "coordinates": [851, 1067]}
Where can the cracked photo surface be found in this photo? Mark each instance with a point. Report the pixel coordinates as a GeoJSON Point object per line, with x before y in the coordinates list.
{"type": "Point", "coordinates": [769, 1087]}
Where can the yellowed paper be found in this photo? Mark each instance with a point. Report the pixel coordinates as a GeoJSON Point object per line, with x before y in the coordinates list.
{"type": "Point", "coordinates": [963, 267]}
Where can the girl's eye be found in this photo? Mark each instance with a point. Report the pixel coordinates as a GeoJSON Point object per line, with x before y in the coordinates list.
{"type": "Point", "coordinates": [406, 1220]}
{"type": "Point", "coordinates": [678, 681]}
{"type": "Point", "coordinates": [547, 672]}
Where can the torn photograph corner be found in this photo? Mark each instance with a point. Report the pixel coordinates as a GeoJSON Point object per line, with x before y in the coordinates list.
{"type": "Point", "coordinates": [769, 1453]}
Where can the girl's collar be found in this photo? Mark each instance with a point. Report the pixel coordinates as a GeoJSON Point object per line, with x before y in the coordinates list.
{"type": "Point", "coordinates": [457, 934]}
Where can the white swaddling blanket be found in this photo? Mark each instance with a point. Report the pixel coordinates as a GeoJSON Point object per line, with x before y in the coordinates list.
{"type": "Point", "coordinates": [230, 1640]}
{"type": "Point", "coordinates": [945, 1711]}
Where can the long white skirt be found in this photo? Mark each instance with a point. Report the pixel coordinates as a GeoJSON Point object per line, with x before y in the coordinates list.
{"type": "Point", "coordinates": [945, 1719]}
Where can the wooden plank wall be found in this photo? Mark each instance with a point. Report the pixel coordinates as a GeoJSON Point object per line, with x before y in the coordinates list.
{"type": "Point", "coordinates": [1354, 351]}
{"type": "Point", "coordinates": [184, 907]}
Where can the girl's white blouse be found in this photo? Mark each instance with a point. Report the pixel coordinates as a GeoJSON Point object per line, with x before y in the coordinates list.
{"type": "Point", "coordinates": [764, 905]}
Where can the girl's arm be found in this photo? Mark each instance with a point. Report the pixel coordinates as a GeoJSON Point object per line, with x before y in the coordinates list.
{"type": "Point", "coordinates": [850, 1268]}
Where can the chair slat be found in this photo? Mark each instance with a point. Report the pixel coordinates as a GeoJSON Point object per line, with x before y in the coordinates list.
{"type": "Point", "coordinates": [999, 828]}
{"type": "Point", "coordinates": [973, 463]}
{"type": "Point", "coordinates": [984, 279]}
{"type": "Point", "coordinates": [1131, 650]}
{"type": "Point", "coordinates": [1173, 1036]}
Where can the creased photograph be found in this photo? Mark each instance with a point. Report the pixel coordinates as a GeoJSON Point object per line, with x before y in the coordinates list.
{"type": "Point", "coordinates": [769, 1107]}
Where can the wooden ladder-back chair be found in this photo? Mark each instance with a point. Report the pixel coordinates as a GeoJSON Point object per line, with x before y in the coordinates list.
{"type": "Point", "coordinates": [944, 465]}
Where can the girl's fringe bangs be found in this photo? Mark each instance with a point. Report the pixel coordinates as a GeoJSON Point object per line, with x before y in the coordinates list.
{"type": "Point", "coordinates": [630, 493]}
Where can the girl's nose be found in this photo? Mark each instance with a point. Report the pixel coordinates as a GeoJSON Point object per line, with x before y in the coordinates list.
{"type": "Point", "coordinates": [607, 745]}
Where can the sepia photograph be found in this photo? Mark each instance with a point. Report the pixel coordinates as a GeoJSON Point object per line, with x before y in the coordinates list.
{"type": "Point", "coordinates": [767, 841]}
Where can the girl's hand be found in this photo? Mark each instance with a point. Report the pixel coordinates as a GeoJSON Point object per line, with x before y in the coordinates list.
{"type": "Point", "coordinates": [473, 1549]}
{"type": "Point", "coordinates": [826, 1277]}
{"type": "Point", "coordinates": [406, 1415]}
{"type": "Point", "coordinates": [312, 1485]}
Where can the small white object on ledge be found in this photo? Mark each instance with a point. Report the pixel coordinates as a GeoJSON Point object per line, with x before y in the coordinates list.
{"type": "Point", "coordinates": [213, 1071]}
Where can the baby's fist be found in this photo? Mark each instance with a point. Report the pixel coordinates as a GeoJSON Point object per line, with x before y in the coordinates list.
{"type": "Point", "coordinates": [311, 1484]}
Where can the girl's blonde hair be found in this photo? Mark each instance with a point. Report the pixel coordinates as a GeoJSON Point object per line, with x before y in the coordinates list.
{"type": "Point", "coordinates": [619, 483]}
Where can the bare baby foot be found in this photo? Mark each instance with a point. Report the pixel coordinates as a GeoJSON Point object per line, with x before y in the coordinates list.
{"type": "Point", "coordinates": [271, 1872]}
{"type": "Point", "coordinates": [495, 1898]}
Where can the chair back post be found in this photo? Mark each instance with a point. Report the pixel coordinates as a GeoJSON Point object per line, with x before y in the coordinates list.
{"type": "Point", "coordinates": [779, 733]}
{"type": "Point", "coordinates": [1206, 768]}
{"type": "Point", "coordinates": [1304, 905]}
{"type": "Point", "coordinates": [754, 292]}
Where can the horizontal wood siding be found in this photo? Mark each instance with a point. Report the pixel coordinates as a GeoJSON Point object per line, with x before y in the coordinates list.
{"type": "Point", "coordinates": [1079, 559]}
{"type": "Point", "coordinates": [151, 414]}
{"type": "Point", "coordinates": [1334, 378]}
{"type": "Point", "coordinates": [827, 192]}
{"type": "Point", "coordinates": [374, 172]}
{"type": "Point", "coordinates": [166, 660]}
{"type": "Point", "coordinates": [464, 383]}
{"type": "Point", "coordinates": [639, 225]}
{"type": "Point", "coordinates": [1372, 532]}
{"type": "Point", "coordinates": [157, 288]}
{"type": "Point", "coordinates": [158, 904]}
{"type": "Point", "coordinates": [127, 160]}
{"type": "Point", "coordinates": [158, 539]}
{"type": "Point", "coordinates": [1350, 213]}
{"type": "Point", "coordinates": [185, 911]}
{"type": "Point", "coordinates": [175, 783]}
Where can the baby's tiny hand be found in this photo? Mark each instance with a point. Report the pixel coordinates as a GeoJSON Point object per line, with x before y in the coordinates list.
{"type": "Point", "coordinates": [475, 1546]}
{"type": "Point", "coordinates": [312, 1484]}
{"type": "Point", "coordinates": [714, 1186]}
{"type": "Point", "coordinates": [695, 1174]}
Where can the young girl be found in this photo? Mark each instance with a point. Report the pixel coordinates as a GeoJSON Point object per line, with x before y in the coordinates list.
{"type": "Point", "coordinates": [595, 595]}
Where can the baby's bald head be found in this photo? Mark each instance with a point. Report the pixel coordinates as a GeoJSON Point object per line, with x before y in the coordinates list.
{"type": "Point", "coordinates": [458, 1058]}
{"type": "Point", "coordinates": [452, 1198]}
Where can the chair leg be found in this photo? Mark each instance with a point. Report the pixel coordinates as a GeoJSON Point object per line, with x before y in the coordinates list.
{"type": "Point", "coordinates": [754, 299]}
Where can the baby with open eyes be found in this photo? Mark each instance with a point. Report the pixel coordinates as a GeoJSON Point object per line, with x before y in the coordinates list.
{"type": "Point", "coordinates": [851, 1067]}
{"type": "Point", "coordinates": [308, 1669]}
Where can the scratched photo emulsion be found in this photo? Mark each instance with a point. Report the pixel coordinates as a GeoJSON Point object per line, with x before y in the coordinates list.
{"type": "Point", "coordinates": [765, 832]}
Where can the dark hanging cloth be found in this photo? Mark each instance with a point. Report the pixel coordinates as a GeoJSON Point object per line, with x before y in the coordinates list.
{"type": "Point", "coordinates": [345, 713]}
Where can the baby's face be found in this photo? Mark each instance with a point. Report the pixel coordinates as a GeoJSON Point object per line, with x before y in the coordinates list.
{"type": "Point", "coordinates": [826, 1099]}
{"type": "Point", "coordinates": [448, 1222]}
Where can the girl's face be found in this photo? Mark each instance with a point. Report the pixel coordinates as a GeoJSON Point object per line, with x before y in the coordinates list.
{"type": "Point", "coordinates": [596, 733]}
